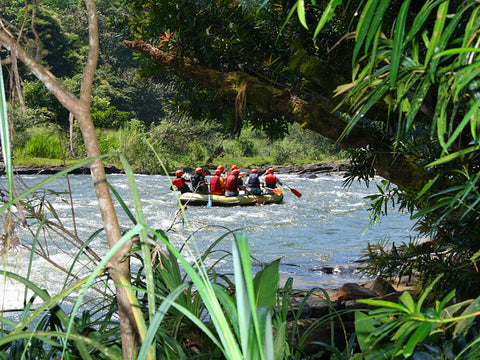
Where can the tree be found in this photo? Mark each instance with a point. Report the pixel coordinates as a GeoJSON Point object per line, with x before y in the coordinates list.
{"type": "Point", "coordinates": [80, 108]}
{"type": "Point", "coordinates": [413, 99]}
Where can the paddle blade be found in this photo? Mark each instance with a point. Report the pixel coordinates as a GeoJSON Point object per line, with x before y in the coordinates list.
{"type": "Point", "coordinates": [296, 192]}
{"type": "Point", "coordinates": [209, 203]}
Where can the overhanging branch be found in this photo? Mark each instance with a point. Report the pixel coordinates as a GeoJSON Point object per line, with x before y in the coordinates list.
{"type": "Point", "coordinates": [282, 102]}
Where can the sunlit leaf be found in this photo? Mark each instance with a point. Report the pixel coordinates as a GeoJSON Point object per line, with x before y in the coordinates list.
{"type": "Point", "coordinates": [454, 155]}
{"type": "Point", "coordinates": [301, 13]}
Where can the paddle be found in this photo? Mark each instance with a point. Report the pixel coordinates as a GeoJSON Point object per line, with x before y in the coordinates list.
{"type": "Point", "coordinates": [209, 203]}
{"type": "Point", "coordinates": [294, 191]}
{"type": "Point", "coordinates": [248, 192]}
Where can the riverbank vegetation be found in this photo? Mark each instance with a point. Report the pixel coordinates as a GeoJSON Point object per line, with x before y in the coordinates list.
{"type": "Point", "coordinates": [407, 109]}
{"type": "Point", "coordinates": [179, 143]}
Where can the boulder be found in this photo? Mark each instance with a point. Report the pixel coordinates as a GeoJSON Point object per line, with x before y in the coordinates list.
{"type": "Point", "coordinates": [380, 286]}
{"type": "Point", "coordinates": [353, 291]}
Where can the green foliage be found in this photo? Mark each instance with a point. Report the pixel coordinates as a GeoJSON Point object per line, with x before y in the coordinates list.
{"type": "Point", "coordinates": [44, 147]}
{"type": "Point", "coordinates": [108, 140]}
{"type": "Point", "coordinates": [298, 147]}
{"type": "Point", "coordinates": [281, 155]}
{"type": "Point", "coordinates": [106, 116]}
{"type": "Point", "coordinates": [58, 48]}
{"type": "Point", "coordinates": [39, 142]}
{"type": "Point", "coordinates": [418, 61]}
{"type": "Point", "coordinates": [398, 330]}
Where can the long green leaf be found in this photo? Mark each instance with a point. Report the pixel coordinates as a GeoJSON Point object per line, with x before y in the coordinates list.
{"type": "Point", "coordinates": [407, 300]}
{"type": "Point", "coordinates": [100, 268]}
{"type": "Point", "coordinates": [398, 44]}
{"type": "Point", "coordinates": [472, 309]}
{"type": "Point", "coordinates": [147, 255]}
{"type": "Point", "coordinates": [326, 16]}
{"type": "Point", "coordinates": [457, 51]}
{"type": "Point", "coordinates": [427, 291]}
{"type": "Point", "coordinates": [5, 138]}
{"type": "Point", "coordinates": [469, 116]}
{"type": "Point", "coordinates": [421, 18]}
{"type": "Point", "coordinates": [247, 315]}
{"type": "Point", "coordinates": [385, 304]}
{"type": "Point", "coordinates": [301, 13]}
{"type": "Point", "coordinates": [454, 155]}
{"type": "Point", "coordinates": [437, 31]}
{"type": "Point", "coordinates": [266, 285]}
{"type": "Point", "coordinates": [418, 336]}
{"type": "Point", "coordinates": [279, 342]}
{"type": "Point", "coordinates": [444, 41]}
{"type": "Point", "coordinates": [124, 206]}
{"type": "Point", "coordinates": [364, 326]}
{"type": "Point", "coordinates": [375, 27]}
{"type": "Point", "coordinates": [363, 27]}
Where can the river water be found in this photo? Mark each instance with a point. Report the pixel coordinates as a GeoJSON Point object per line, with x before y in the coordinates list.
{"type": "Point", "coordinates": [326, 229]}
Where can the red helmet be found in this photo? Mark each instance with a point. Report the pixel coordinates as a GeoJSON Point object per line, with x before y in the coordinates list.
{"type": "Point", "coordinates": [198, 170]}
{"type": "Point", "coordinates": [220, 167]}
{"type": "Point", "coordinates": [179, 173]}
{"type": "Point", "coordinates": [234, 167]}
{"type": "Point", "coordinates": [254, 171]}
{"type": "Point", "coordinates": [218, 172]}
{"type": "Point", "coordinates": [235, 171]}
{"type": "Point", "coordinates": [271, 170]}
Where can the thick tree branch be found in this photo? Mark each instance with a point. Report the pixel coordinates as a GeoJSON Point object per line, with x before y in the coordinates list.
{"type": "Point", "coordinates": [282, 102]}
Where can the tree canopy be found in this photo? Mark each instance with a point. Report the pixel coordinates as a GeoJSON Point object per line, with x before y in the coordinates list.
{"type": "Point", "coordinates": [396, 82]}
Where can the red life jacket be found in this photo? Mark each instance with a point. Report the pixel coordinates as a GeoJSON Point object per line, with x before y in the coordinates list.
{"type": "Point", "coordinates": [271, 181]}
{"type": "Point", "coordinates": [179, 182]}
{"type": "Point", "coordinates": [232, 183]}
{"type": "Point", "coordinates": [216, 186]}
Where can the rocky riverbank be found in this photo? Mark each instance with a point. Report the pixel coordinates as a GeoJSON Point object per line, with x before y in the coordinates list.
{"type": "Point", "coordinates": [50, 170]}
{"type": "Point", "coordinates": [309, 171]}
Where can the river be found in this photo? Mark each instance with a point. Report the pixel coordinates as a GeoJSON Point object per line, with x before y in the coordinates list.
{"type": "Point", "coordinates": [326, 229]}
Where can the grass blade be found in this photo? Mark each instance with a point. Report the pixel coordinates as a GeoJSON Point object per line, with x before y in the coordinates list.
{"type": "Point", "coordinates": [399, 35]}
{"type": "Point", "coordinates": [5, 137]}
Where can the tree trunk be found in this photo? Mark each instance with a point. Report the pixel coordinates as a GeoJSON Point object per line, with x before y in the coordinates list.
{"type": "Point", "coordinates": [81, 109]}
{"type": "Point", "coordinates": [317, 116]}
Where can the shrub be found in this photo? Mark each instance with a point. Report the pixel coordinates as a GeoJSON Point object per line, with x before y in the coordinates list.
{"type": "Point", "coordinates": [42, 146]}
{"type": "Point", "coordinates": [281, 155]}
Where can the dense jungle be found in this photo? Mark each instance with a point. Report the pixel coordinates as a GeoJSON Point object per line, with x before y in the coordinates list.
{"type": "Point", "coordinates": [392, 87]}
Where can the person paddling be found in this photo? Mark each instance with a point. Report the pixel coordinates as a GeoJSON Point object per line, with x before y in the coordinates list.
{"type": "Point", "coordinates": [270, 180]}
{"type": "Point", "coordinates": [253, 183]}
{"type": "Point", "coordinates": [217, 183]}
{"type": "Point", "coordinates": [199, 183]}
{"type": "Point", "coordinates": [180, 182]}
{"type": "Point", "coordinates": [234, 183]}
